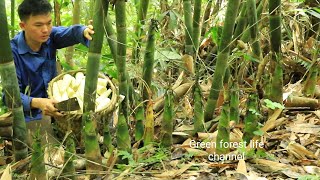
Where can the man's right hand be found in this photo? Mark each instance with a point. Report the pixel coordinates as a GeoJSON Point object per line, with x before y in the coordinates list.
{"type": "Point", "coordinates": [47, 106]}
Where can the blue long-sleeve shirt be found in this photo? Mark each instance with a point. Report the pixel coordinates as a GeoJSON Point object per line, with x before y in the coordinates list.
{"type": "Point", "coordinates": [36, 69]}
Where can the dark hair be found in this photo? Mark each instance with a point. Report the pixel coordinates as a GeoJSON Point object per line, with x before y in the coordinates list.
{"type": "Point", "coordinates": [32, 8]}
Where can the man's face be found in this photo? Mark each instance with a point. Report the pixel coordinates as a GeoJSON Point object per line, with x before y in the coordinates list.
{"type": "Point", "coordinates": [37, 28]}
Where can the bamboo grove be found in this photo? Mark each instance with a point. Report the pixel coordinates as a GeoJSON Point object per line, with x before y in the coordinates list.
{"type": "Point", "coordinates": [140, 103]}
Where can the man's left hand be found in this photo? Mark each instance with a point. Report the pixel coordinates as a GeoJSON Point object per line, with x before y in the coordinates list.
{"type": "Point", "coordinates": [88, 31]}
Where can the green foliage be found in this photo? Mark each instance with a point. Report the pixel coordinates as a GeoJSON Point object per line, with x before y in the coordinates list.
{"type": "Point", "coordinates": [215, 33]}
{"type": "Point", "coordinates": [273, 105]}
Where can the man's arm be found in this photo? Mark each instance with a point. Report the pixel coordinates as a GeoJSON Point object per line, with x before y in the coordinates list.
{"type": "Point", "coordinates": [68, 36]}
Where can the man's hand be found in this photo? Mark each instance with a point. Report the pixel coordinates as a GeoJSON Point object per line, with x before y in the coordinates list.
{"type": "Point", "coordinates": [47, 106]}
{"type": "Point", "coordinates": [88, 31]}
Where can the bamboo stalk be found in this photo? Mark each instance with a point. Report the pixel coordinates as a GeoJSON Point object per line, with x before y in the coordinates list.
{"type": "Point", "coordinates": [188, 27]}
{"type": "Point", "coordinates": [196, 24]}
{"type": "Point", "coordinates": [223, 136]}
{"type": "Point", "coordinates": [198, 109]}
{"type": "Point", "coordinates": [69, 168]}
{"type": "Point", "coordinates": [234, 102]}
{"type": "Point", "coordinates": [275, 39]}
{"type": "Point", "coordinates": [38, 170]}
{"type": "Point", "coordinates": [139, 129]}
{"type": "Point", "coordinates": [241, 23]}
{"type": "Point", "coordinates": [253, 22]}
{"type": "Point", "coordinates": [75, 20]}
{"type": "Point", "coordinates": [123, 137]}
{"type": "Point", "coordinates": [13, 5]}
{"type": "Point", "coordinates": [149, 60]}
{"type": "Point", "coordinates": [11, 89]}
{"type": "Point", "coordinates": [149, 124]}
{"type": "Point", "coordinates": [120, 9]}
{"type": "Point", "coordinates": [142, 14]}
{"type": "Point", "coordinates": [107, 139]}
{"type": "Point", "coordinates": [206, 16]}
{"type": "Point", "coordinates": [251, 119]}
{"type": "Point", "coordinates": [222, 60]}
{"type": "Point", "coordinates": [92, 149]}
{"type": "Point", "coordinates": [167, 122]}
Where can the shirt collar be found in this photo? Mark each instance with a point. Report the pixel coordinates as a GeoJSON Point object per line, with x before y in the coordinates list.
{"type": "Point", "coordinates": [23, 46]}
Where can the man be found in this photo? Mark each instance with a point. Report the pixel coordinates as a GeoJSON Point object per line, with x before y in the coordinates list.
{"type": "Point", "coordinates": [34, 52]}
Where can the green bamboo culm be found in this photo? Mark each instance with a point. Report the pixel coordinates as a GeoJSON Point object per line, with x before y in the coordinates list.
{"type": "Point", "coordinates": [13, 5]}
{"type": "Point", "coordinates": [167, 122]}
{"type": "Point", "coordinates": [69, 169]}
{"type": "Point", "coordinates": [275, 39]}
{"type": "Point", "coordinates": [241, 22]}
{"type": "Point", "coordinates": [142, 14]}
{"type": "Point", "coordinates": [149, 60]}
{"type": "Point", "coordinates": [139, 128]}
{"type": "Point", "coordinates": [253, 23]}
{"type": "Point", "coordinates": [223, 136]}
{"type": "Point", "coordinates": [123, 137]}
{"type": "Point", "coordinates": [196, 24]}
{"type": "Point", "coordinates": [11, 89]}
{"type": "Point", "coordinates": [222, 59]}
{"type": "Point", "coordinates": [205, 18]}
{"type": "Point", "coordinates": [38, 170]}
{"type": "Point", "coordinates": [107, 139]}
{"type": "Point", "coordinates": [92, 149]}
{"type": "Point", "coordinates": [234, 102]}
{"type": "Point", "coordinates": [75, 20]}
{"type": "Point", "coordinates": [251, 119]}
{"type": "Point", "coordinates": [111, 37]}
{"type": "Point", "coordinates": [198, 109]}
{"type": "Point", "coordinates": [120, 9]}
{"type": "Point", "coordinates": [187, 12]}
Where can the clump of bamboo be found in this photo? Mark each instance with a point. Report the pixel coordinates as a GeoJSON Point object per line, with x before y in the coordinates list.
{"type": "Point", "coordinates": [222, 60]}
{"type": "Point", "coordinates": [69, 157]}
{"type": "Point", "coordinates": [38, 170]}
{"type": "Point", "coordinates": [252, 118]}
{"type": "Point", "coordinates": [11, 89]}
{"type": "Point", "coordinates": [167, 123]}
{"type": "Point", "coordinates": [198, 109]}
{"type": "Point", "coordinates": [188, 27]}
{"type": "Point", "coordinates": [275, 39]}
{"type": "Point", "coordinates": [223, 136]}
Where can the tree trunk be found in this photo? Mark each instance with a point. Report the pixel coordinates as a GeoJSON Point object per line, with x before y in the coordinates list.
{"type": "Point", "coordinates": [56, 6]}
{"type": "Point", "coordinates": [11, 89]}
{"type": "Point", "coordinates": [222, 60]}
